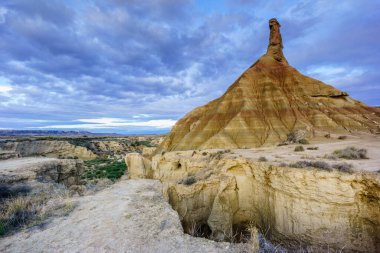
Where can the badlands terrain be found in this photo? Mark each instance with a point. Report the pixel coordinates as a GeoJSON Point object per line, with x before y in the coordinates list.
{"type": "Point", "coordinates": [280, 163]}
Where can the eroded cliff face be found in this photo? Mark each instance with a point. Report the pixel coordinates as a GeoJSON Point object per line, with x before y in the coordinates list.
{"type": "Point", "coordinates": [26, 170]}
{"type": "Point", "coordinates": [46, 148]}
{"type": "Point", "coordinates": [293, 206]}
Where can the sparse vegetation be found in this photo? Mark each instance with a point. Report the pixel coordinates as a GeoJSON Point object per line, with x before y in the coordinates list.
{"type": "Point", "coordinates": [299, 149]}
{"type": "Point", "coordinates": [312, 148]}
{"type": "Point", "coordinates": [315, 164]}
{"type": "Point", "coordinates": [351, 153]}
{"type": "Point", "coordinates": [34, 209]}
{"type": "Point", "coordinates": [342, 137]}
{"type": "Point", "coordinates": [343, 167]}
{"type": "Point", "coordinates": [104, 168]}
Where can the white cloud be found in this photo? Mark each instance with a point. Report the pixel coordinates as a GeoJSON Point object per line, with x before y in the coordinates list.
{"type": "Point", "coordinates": [100, 123]}
{"type": "Point", "coordinates": [339, 76]}
{"type": "Point", "coordinates": [5, 83]}
{"type": "Point", "coordinates": [5, 88]}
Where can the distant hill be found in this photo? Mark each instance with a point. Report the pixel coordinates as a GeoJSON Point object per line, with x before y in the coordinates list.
{"type": "Point", "coordinates": [51, 133]}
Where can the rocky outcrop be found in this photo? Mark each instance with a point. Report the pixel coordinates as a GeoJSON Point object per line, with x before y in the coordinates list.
{"type": "Point", "coordinates": [267, 102]}
{"type": "Point", "coordinates": [25, 170]}
{"type": "Point", "coordinates": [321, 209]}
{"type": "Point", "coordinates": [45, 148]}
{"type": "Point", "coordinates": [138, 166]}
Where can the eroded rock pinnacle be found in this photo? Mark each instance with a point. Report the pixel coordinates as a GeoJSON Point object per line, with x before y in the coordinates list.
{"type": "Point", "coordinates": [275, 42]}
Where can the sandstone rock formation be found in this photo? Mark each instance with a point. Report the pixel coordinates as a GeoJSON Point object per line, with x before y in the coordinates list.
{"type": "Point", "coordinates": [267, 102]}
{"type": "Point", "coordinates": [138, 166]}
{"type": "Point", "coordinates": [26, 170]}
{"type": "Point", "coordinates": [324, 210]}
{"type": "Point", "coordinates": [45, 148]}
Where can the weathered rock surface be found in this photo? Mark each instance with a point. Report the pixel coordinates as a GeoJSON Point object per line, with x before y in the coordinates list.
{"type": "Point", "coordinates": [267, 102]}
{"type": "Point", "coordinates": [138, 166]}
{"type": "Point", "coordinates": [131, 216]}
{"type": "Point", "coordinates": [46, 148]}
{"type": "Point", "coordinates": [24, 170]}
{"type": "Point", "coordinates": [293, 206]}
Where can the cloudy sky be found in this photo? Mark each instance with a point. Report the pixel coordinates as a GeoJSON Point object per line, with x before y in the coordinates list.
{"type": "Point", "coordinates": [131, 66]}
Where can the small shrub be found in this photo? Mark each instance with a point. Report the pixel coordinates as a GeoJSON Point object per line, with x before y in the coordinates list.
{"type": "Point", "coordinates": [312, 148]}
{"type": "Point", "coordinates": [343, 167]}
{"type": "Point", "coordinates": [303, 141]}
{"type": "Point", "coordinates": [315, 164]}
{"type": "Point", "coordinates": [299, 149]}
{"type": "Point", "coordinates": [188, 181]}
{"type": "Point", "coordinates": [328, 136]}
{"type": "Point", "coordinates": [262, 159]}
{"type": "Point", "coordinates": [204, 153]}
{"type": "Point", "coordinates": [342, 137]}
{"type": "Point", "coordinates": [351, 153]}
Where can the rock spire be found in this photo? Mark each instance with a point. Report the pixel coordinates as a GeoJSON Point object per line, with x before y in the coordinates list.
{"type": "Point", "coordinates": [267, 102]}
{"type": "Point", "coordinates": [275, 45]}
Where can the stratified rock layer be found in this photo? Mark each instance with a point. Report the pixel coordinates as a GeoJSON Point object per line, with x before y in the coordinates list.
{"type": "Point", "coordinates": [295, 207]}
{"type": "Point", "coordinates": [268, 101]}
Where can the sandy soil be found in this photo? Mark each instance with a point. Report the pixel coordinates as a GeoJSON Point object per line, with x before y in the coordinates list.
{"type": "Point", "coordinates": [130, 216]}
{"type": "Point", "coordinates": [325, 147]}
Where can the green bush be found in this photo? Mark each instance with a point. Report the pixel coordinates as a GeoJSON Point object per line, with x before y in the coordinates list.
{"type": "Point", "coordinates": [142, 143]}
{"type": "Point", "coordinates": [104, 168]}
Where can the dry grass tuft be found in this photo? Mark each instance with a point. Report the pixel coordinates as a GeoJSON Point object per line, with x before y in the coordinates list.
{"type": "Point", "coordinates": [34, 209]}
{"type": "Point", "coordinates": [351, 153]}
{"type": "Point", "coordinates": [254, 240]}
{"type": "Point", "coordinates": [299, 149]}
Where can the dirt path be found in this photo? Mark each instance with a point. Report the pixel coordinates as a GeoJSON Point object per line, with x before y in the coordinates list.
{"type": "Point", "coordinates": [130, 216]}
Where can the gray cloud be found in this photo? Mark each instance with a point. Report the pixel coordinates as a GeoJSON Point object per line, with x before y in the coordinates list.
{"type": "Point", "coordinates": [67, 60]}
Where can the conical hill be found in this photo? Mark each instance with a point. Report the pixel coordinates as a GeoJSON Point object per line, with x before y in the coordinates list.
{"type": "Point", "coordinates": [267, 102]}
